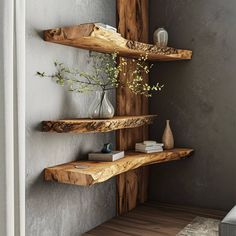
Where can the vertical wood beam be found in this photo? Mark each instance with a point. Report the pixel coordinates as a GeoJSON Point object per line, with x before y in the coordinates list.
{"type": "Point", "coordinates": [132, 23]}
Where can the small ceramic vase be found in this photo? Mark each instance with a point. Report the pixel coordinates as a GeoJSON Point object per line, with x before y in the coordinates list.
{"type": "Point", "coordinates": [167, 138]}
{"type": "Point", "coordinates": [160, 37]}
{"type": "Point", "coordinates": [106, 148]}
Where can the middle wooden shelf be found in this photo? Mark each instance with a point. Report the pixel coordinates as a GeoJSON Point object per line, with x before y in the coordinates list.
{"type": "Point", "coordinates": [96, 125]}
{"type": "Point", "coordinates": [91, 172]}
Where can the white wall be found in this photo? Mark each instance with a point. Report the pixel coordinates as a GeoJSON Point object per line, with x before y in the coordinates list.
{"type": "Point", "coordinates": [2, 165]}
{"type": "Point", "coordinates": [12, 104]}
{"type": "Point", "coordinates": [2, 148]}
{"type": "Point", "coordinates": [55, 209]}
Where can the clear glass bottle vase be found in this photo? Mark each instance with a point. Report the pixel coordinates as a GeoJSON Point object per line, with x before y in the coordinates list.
{"type": "Point", "coordinates": [101, 107]}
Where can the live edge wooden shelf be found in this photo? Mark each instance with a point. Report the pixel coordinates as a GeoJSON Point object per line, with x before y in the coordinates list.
{"type": "Point", "coordinates": [96, 125]}
{"type": "Point", "coordinates": [97, 38]}
{"type": "Point", "coordinates": [86, 173]}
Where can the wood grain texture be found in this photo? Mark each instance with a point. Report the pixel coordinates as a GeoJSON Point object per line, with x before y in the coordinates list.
{"type": "Point", "coordinates": [96, 125]}
{"type": "Point", "coordinates": [132, 186]}
{"type": "Point", "coordinates": [97, 38]}
{"type": "Point", "coordinates": [88, 173]}
{"type": "Point", "coordinates": [153, 219]}
{"type": "Point", "coordinates": [132, 24]}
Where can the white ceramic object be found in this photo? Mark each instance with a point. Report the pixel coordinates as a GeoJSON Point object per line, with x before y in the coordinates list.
{"type": "Point", "coordinates": [160, 37]}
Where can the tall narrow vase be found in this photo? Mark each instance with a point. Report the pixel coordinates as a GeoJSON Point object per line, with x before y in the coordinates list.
{"type": "Point", "coordinates": [167, 138]}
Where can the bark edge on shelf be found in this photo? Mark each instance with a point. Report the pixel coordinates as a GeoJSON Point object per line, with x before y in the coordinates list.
{"type": "Point", "coordinates": [96, 125]}
{"type": "Point", "coordinates": [97, 172]}
{"type": "Point", "coordinates": [94, 37]}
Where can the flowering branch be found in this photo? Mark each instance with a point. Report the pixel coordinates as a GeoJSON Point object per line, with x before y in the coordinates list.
{"type": "Point", "coordinates": [105, 75]}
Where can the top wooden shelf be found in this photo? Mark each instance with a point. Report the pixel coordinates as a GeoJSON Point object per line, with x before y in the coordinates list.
{"type": "Point", "coordinates": [97, 38]}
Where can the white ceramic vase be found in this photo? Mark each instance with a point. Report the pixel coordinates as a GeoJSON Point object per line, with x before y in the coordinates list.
{"type": "Point", "coordinates": [160, 37]}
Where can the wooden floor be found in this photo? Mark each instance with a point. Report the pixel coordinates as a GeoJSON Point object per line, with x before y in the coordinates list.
{"type": "Point", "coordinates": [153, 219]}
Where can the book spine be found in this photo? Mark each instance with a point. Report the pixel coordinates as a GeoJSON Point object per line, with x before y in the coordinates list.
{"type": "Point", "coordinates": [152, 148]}
{"type": "Point", "coordinates": [142, 145]}
{"type": "Point", "coordinates": [100, 159]}
{"type": "Point", "coordinates": [153, 151]}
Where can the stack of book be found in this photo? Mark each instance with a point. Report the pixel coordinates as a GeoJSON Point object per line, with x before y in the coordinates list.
{"type": "Point", "coordinates": [112, 156]}
{"type": "Point", "coordinates": [149, 147]}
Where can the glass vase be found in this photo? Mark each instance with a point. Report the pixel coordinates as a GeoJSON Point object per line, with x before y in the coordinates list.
{"type": "Point", "coordinates": [101, 107]}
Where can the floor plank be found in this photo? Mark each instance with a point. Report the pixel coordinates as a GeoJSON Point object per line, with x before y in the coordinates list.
{"type": "Point", "coordinates": [153, 219]}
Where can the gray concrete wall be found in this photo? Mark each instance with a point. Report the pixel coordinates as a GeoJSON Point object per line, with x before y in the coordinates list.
{"type": "Point", "coordinates": [55, 209]}
{"type": "Point", "coordinates": [200, 100]}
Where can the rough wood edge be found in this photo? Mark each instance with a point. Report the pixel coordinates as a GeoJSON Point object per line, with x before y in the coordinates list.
{"type": "Point", "coordinates": [99, 172]}
{"type": "Point", "coordinates": [97, 38]}
{"type": "Point", "coordinates": [99, 125]}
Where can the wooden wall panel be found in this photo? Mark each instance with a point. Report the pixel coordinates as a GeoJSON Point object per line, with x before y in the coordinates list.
{"type": "Point", "coordinates": [132, 23]}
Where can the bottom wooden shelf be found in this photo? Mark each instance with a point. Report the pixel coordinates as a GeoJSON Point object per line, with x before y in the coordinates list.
{"type": "Point", "coordinates": [88, 173]}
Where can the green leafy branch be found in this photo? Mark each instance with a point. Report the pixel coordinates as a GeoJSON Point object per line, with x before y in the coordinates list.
{"type": "Point", "coordinates": [104, 76]}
